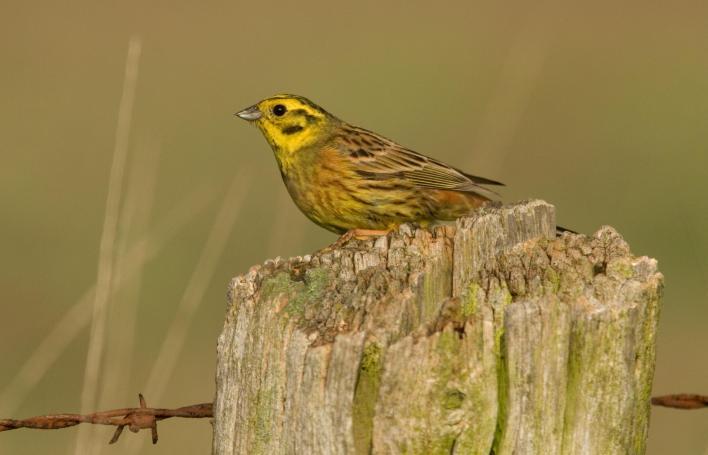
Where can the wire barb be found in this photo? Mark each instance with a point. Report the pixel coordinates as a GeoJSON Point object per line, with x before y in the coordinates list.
{"type": "Point", "coordinates": [135, 419]}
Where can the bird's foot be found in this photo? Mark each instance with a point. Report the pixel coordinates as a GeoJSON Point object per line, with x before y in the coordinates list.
{"type": "Point", "coordinates": [362, 234]}
{"type": "Point", "coordinates": [358, 234]}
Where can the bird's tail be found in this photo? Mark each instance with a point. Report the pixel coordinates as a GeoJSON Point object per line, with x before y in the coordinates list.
{"type": "Point", "coordinates": [560, 230]}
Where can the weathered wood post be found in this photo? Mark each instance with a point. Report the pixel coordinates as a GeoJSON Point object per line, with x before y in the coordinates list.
{"type": "Point", "coordinates": [491, 336]}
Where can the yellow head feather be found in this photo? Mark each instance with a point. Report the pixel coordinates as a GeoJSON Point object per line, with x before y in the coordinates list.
{"type": "Point", "coordinates": [289, 123]}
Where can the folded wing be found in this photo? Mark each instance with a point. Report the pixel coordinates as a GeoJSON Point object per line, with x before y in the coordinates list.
{"type": "Point", "coordinates": [378, 158]}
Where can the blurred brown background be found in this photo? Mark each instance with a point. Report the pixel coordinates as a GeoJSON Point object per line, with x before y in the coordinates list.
{"type": "Point", "coordinates": [600, 109]}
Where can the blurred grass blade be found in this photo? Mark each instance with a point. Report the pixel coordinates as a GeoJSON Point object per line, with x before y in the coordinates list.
{"type": "Point", "coordinates": [65, 331]}
{"type": "Point", "coordinates": [173, 342]}
{"type": "Point", "coordinates": [96, 340]}
{"type": "Point", "coordinates": [135, 217]}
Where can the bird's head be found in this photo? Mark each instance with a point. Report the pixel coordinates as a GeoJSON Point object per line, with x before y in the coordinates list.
{"type": "Point", "coordinates": [289, 122]}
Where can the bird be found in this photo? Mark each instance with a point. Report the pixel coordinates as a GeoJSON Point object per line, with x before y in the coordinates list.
{"type": "Point", "coordinates": [357, 183]}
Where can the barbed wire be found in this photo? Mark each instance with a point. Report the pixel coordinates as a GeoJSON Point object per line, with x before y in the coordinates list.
{"type": "Point", "coordinates": [681, 401]}
{"type": "Point", "coordinates": [144, 418]}
{"type": "Point", "coordinates": [135, 419]}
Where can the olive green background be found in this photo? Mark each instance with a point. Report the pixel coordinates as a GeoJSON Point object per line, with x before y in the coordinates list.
{"type": "Point", "coordinates": [599, 108]}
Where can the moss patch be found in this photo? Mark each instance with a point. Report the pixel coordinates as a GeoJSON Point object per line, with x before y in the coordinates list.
{"type": "Point", "coordinates": [365, 397]}
{"type": "Point", "coordinates": [502, 370]}
{"type": "Point", "coordinates": [300, 294]}
{"type": "Point", "coordinates": [502, 394]}
{"type": "Point", "coordinates": [620, 269]}
{"type": "Point", "coordinates": [552, 280]}
{"type": "Point", "coordinates": [262, 420]}
{"type": "Point", "coordinates": [446, 394]}
{"type": "Point", "coordinates": [316, 283]}
{"type": "Point", "coordinates": [471, 301]}
{"type": "Point", "coordinates": [278, 284]}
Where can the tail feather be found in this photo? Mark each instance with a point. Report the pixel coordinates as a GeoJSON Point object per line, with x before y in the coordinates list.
{"type": "Point", "coordinates": [481, 180]}
{"type": "Point", "coordinates": [560, 230]}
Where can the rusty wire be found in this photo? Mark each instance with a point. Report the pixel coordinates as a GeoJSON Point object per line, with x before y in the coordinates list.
{"type": "Point", "coordinates": [144, 418]}
{"type": "Point", "coordinates": [681, 401]}
{"type": "Point", "coordinates": [135, 419]}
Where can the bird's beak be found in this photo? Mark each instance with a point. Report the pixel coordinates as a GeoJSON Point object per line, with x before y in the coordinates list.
{"type": "Point", "coordinates": [250, 114]}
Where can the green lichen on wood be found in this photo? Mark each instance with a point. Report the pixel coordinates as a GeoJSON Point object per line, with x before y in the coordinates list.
{"type": "Point", "coordinates": [440, 446]}
{"type": "Point", "coordinates": [448, 392]}
{"type": "Point", "coordinates": [365, 397]}
{"type": "Point", "coordinates": [279, 284]}
{"type": "Point", "coordinates": [317, 280]}
{"type": "Point", "coordinates": [470, 301]}
{"type": "Point", "coordinates": [299, 294]}
{"type": "Point", "coordinates": [574, 380]}
{"type": "Point", "coordinates": [502, 393]}
{"type": "Point", "coordinates": [499, 298]}
{"type": "Point", "coordinates": [620, 268]}
{"type": "Point", "coordinates": [552, 280]}
{"type": "Point", "coordinates": [646, 355]}
{"type": "Point", "coordinates": [605, 396]}
{"type": "Point", "coordinates": [261, 421]}
{"type": "Point", "coordinates": [480, 401]}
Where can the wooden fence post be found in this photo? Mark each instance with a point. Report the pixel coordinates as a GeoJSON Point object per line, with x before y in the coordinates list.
{"type": "Point", "coordinates": [491, 336]}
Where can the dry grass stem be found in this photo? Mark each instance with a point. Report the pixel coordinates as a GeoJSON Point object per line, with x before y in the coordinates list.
{"type": "Point", "coordinates": [136, 216]}
{"type": "Point", "coordinates": [108, 235]}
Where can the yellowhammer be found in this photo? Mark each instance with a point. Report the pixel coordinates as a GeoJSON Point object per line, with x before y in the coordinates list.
{"type": "Point", "coordinates": [348, 179]}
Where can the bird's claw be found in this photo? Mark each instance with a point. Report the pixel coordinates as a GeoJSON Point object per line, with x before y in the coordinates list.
{"type": "Point", "coordinates": [358, 234]}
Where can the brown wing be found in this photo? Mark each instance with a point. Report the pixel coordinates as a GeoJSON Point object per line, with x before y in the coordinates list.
{"type": "Point", "coordinates": [378, 158]}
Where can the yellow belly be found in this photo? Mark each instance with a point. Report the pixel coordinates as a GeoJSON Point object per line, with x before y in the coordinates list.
{"type": "Point", "coordinates": [331, 194]}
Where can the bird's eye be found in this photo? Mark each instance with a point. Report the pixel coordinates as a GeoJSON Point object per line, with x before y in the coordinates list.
{"type": "Point", "coordinates": [279, 109]}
